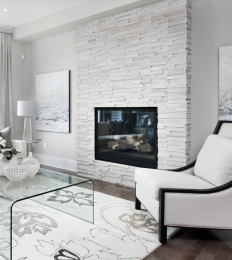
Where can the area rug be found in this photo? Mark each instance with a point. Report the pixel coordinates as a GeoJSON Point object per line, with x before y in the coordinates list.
{"type": "Point", "coordinates": [119, 231]}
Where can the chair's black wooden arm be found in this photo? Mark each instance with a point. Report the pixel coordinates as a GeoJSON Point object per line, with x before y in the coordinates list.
{"type": "Point", "coordinates": [197, 191]}
{"type": "Point", "coordinates": [184, 168]}
{"type": "Point", "coordinates": [218, 126]}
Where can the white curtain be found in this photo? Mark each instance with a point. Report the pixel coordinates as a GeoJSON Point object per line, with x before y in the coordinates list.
{"type": "Point", "coordinates": [6, 93]}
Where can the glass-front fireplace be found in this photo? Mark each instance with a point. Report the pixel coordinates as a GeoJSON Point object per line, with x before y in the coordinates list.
{"type": "Point", "coordinates": [126, 135]}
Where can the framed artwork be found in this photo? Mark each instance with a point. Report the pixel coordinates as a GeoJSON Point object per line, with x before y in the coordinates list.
{"type": "Point", "coordinates": [225, 83]}
{"type": "Point", "coordinates": [53, 96]}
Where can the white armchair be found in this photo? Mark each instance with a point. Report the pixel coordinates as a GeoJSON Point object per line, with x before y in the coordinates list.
{"type": "Point", "coordinates": [20, 146]}
{"type": "Point", "coordinates": [197, 195]}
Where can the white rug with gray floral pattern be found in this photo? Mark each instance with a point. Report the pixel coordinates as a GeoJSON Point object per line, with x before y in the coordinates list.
{"type": "Point", "coordinates": [119, 231]}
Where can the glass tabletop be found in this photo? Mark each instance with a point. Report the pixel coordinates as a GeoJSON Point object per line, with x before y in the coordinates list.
{"type": "Point", "coordinates": [33, 198]}
{"type": "Point", "coordinates": [44, 181]}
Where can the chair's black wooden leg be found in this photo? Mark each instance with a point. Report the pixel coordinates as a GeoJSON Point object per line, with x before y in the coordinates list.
{"type": "Point", "coordinates": [162, 227]}
{"type": "Point", "coordinates": [162, 233]}
{"type": "Point", "coordinates": [137, 204]}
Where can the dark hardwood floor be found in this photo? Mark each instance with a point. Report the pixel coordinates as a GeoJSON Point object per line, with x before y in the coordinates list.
{"type": "Point", "coordinates": [187, 244]}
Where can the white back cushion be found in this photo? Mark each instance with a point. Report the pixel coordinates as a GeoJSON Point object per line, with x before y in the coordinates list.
{"type": "Point", "coordinates": [226, 130]}
{"type": "Point", "coordinates": [214, 161]}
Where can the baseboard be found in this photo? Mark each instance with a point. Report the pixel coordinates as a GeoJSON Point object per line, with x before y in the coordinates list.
{"type": "Point", "coordinates": [56, 162]}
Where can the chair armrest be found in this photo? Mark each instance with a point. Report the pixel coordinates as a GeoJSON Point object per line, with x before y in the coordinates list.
{"type": "Point", "coordinates": [21, 146]}
{"type": "Point", "coordinates": [209, 208]}
{"type": "Point", "coordinates": [190, 165]}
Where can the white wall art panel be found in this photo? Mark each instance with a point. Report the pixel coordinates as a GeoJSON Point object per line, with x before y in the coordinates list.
{"type": "Point", "coordinates": [138, 58]}
{"type": "Point", "coordinates": [52, 94]}
{"type": "Point", "coordinates": [225, 83]}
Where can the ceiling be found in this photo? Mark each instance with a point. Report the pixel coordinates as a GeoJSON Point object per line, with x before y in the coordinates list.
{"type": "Point", "coordinates": [24, 11]}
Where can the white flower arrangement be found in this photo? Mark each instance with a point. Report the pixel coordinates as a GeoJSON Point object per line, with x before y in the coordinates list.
{"type": "Point", "coordinates": [2, 142]}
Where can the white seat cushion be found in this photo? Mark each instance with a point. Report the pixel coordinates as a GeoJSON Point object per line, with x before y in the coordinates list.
{"type": "Point", "coordinates": [152, 180]}
{"type": "Point", "coordinates": [214, 161]}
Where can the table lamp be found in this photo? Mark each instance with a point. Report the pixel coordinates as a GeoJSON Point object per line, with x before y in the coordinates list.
{"type": "Point", "coordinates": [27, 109]}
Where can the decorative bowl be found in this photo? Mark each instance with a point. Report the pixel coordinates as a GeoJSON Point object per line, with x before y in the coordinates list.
{"type": "Point", "coordinates": [4, 162]}
{"type": "Point", "coordinates": [15, 172]}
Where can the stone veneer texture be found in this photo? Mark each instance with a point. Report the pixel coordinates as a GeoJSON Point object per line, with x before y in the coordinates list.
{"type": "Point", "coordinates": [142, 58]}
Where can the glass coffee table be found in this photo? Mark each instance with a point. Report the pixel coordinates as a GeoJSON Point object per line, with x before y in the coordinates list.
{"type": "Point", "coordinates": [54, 191]}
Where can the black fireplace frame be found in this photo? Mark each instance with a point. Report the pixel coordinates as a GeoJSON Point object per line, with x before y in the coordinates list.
{"type": "Point", "coordinates": [127, 160]}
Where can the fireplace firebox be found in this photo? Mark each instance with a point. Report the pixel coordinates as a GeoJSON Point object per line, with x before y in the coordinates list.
{"type": "Point", "coordinates": [126, 135]}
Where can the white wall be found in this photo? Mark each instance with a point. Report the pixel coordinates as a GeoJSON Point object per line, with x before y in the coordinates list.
{"type": "Point", "coordinates": [211, 28]}
{"type": "Point", "coordinates": [48, 55]}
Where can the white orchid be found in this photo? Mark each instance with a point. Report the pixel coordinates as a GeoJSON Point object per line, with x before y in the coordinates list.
{"type": "Point", "coordinates": [2, 142]}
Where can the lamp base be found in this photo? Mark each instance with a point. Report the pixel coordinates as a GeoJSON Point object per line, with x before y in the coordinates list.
{"type": "Point", "coordinates": [27, 132]}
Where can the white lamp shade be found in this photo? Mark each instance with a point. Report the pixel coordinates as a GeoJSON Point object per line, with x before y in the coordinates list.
{"type": "Point", "coordinates": [27, 108]}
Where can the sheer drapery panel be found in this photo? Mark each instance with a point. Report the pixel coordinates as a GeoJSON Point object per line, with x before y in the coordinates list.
{"type": "Point", "coordinates": [6, 92]}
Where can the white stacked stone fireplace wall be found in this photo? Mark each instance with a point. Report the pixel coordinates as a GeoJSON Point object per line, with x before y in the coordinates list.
{"type": "Point", "coordinates": [139, 58]}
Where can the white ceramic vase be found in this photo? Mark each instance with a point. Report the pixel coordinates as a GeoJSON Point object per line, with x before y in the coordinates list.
{"type": "Point", "coordinates": [15, 172]}
{"type": "Point", "coordinates": [4, 162]}
{"type": "Point", "coordinates": [32, 165]}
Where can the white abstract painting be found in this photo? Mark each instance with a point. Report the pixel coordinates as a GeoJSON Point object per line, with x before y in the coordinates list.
{"type": "Point", "coordinates": [225, 83]}
{"type": "Point", "coordinates": [52, 94]}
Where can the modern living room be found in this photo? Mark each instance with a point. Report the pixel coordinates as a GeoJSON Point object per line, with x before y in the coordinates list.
{"type": "Point", "coordinates": [115, 129]}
